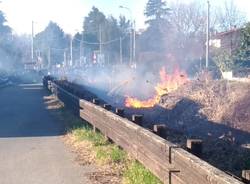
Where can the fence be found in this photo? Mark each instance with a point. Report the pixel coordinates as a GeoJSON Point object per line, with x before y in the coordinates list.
{"type": "Point", "coordinates": [173, 165]}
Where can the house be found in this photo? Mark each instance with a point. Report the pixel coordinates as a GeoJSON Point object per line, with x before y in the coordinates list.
{"type": "Point", "coordinates": [30, 65]}
{"type": "Point", "coordinates": [228, 41]}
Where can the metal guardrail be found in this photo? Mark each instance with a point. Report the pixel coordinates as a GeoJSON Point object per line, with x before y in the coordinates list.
{"type": "Point", "coordinates": [173, 165]}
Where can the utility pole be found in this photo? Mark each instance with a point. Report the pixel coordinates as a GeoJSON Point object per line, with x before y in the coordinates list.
{"type": "Point", "coordinates": [49, 59]}
{"type": "Point", "coordinates": [65, 58]}
{"type": "Point", "coordinates": [131, 45]}
{"type": "Point", "coordinates": [83, 53]}
{"type": "Point", "coordinates": [120, 50]}
{"type": "Point", "coordinates": [208, 33]}
{"type": "Point", "coordinates": [131, 53]}
{"type": "Point", "coordinates": [71, 51]}
{"type": "Point", "coordinates": [32, 42]}
{"type": "Point", "coordinates": [134, 43]}
{"type": "Point", "coordinates": [80, 59]}
{"type": "Point", "coordinates": [100, 37]}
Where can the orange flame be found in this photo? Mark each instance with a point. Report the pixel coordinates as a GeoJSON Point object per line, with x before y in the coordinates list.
{"type": "Point", "coordinates": [135, 103]}
{"type": "Point", "coordinates": [168, 84]}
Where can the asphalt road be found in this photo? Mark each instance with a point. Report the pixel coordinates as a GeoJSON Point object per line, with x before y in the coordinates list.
{"type": "Point", "coordinates": [31, 147]}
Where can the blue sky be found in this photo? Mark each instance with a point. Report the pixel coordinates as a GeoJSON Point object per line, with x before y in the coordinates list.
{"type": "Point", "coordinates": [69, 14]}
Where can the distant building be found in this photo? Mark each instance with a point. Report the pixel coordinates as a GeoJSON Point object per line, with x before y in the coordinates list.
{"type": "Point", "coordinates": [36, 65]}
{"type": "Point", "coordinates": [30, 66]}
{"type": "Point", "coordinates": [228, 41]}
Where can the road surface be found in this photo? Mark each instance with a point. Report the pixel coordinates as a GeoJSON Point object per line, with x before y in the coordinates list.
{"type": "Point", "coordinates": [31, 146]}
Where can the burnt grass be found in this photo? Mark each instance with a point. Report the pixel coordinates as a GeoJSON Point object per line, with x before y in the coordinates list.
{"type": "Point", "coordinates": [218, 112]}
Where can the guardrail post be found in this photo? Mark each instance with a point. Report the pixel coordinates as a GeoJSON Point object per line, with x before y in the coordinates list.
{"type": "Point", "coordinates": [137, 119]}
{"type": "Point", "coordinates": [246, 176]}
{"type": "Point", "coordinates": [107, 107]}
{"type": "Point", "coordinates": [49, 85]}
{"type": "Point", "coordinates": [171, 172]}
{"type": "Point", "coordinates": [160, 130]}
{"type": "Point", "coordinates": [54, 89]}
{"type": "Point", "coordinates": [119, 112]}
{"type": "Point", "coordinates": [96, 101]}
{"type": "Point", "coordinates": [195, 146]}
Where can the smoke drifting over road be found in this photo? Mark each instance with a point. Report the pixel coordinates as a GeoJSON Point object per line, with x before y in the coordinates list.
{"type": "Point", "coordinates": [122, 84]}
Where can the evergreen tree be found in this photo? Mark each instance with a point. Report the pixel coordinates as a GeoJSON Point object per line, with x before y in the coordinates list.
{"type": "Point", "coordinates": [157, 13]}
{"type": "Point", "coordinates": [8, 53]}
{"type": "Point", "coordinates": [244, 50]}
{"type": "Point", "coordinates": [52, 40]}
{"type": "Point", "coordinates": [93, 24]}
{"type": "Point", "coordinates": [4, 29]}
{"type": "Point", "coordinates": [107, 30]}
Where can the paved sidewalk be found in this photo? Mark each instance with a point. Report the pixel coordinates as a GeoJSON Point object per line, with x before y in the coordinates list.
{"type": "Point", "coordinates": [31, 147]}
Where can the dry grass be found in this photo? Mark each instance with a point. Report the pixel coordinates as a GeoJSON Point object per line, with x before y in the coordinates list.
{"type": "Point", "coordinates": [84, 150]}
{"type": "Point", "coordinates": [220, 101]}
{"type": "Point", "coordinates": [107, 172]}
{"type": "Point", "coordinates": [214, 109]}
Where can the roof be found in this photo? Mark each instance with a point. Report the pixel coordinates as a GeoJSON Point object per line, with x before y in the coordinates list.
{"type": "Point", "coordinates": [225, 33]}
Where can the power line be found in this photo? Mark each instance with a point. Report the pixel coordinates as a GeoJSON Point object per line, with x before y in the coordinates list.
{"type": "Point", "coordinates": [53, 48]}
{"type": "Point", "coordinates": [90, 43]}
{"type": "Point", "coordinates": [103, 43]}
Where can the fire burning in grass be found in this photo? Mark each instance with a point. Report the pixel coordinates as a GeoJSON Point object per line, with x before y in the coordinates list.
{"type": "Point", "coordinates": [169, 83]}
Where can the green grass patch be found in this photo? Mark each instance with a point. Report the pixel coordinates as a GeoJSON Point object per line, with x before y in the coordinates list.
{"type": "Point", "coordinates": [136, 173]}
{"type": "Point", "coordinates": [106, 153]}
{"type": "Point", "coordinates": [117, 154]}
{"type": "Point", "coordinates": [85, 133]}
{"type": "Point", "coordinates": [110, 154]}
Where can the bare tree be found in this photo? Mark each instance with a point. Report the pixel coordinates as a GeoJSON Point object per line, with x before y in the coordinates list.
{"type": "Point", "coordinates": [188, 19]}
{"type": "Point", "coordinates": [229, 16]}
{"type": "Point", "coordinates": [188, 28]}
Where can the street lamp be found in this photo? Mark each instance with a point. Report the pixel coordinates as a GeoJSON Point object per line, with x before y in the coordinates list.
{"type": "Point", "coordinates": [132, 35]}
{"type": "Point", "coordinates": [208, 34]}
{"type": "Point", "coordinates": [32, 41]}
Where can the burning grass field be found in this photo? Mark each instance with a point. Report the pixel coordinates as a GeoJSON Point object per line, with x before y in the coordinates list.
{"type": "Point", "coordinates": [220, 101]}
{"type": "Point", "coordinates": [216, 111]}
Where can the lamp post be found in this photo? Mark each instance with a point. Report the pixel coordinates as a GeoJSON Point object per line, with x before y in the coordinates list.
{"type": "Point", "coordinates": [208, 33]}
{"type": "Point", "coordinates": [132, 35]}
{"type": "Point", "coordinates": [71, 51]}
{"type": "Point", "coordinates": [81, 49]}
{"type": "Point", "coordinates": [32, 41]}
